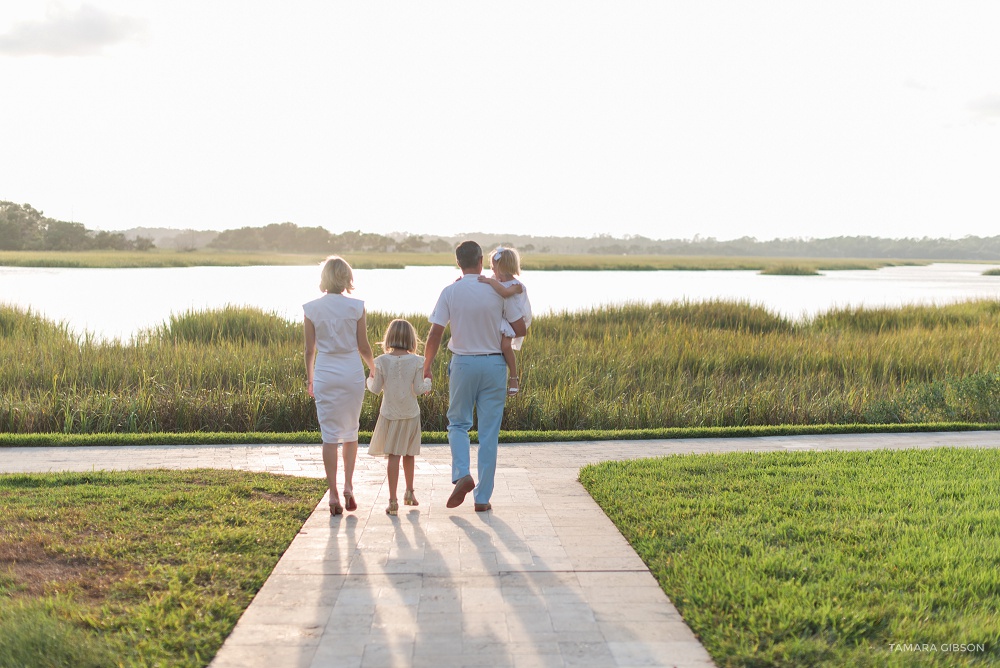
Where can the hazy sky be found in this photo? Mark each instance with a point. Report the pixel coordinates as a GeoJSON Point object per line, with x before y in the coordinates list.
{"type": "Point", "coordinates": [664, 118]}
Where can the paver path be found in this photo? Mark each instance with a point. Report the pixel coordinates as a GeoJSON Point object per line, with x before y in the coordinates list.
{"type": "Point", "coordinates": [544, 579]}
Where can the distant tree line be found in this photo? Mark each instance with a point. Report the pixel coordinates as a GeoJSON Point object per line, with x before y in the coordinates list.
{"type": "Point", "coordinates": [290, 238]}
{"type": "Point", "coordinates": [925, 248]}
{"type": "Point", "coordinates": [24, 228]}
{"type": "Point", "coordinates": [966, 248]}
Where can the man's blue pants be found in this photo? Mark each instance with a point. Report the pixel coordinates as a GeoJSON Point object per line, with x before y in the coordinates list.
{"type": "Point", "coordinates": [476, 383]}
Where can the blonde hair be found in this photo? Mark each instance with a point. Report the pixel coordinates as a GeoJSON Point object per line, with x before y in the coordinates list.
{"type": "Point", "coordinates": [400, 335]}
{"type": "Point", "coordinates": [337, 276]}
{"type": "Point", "coordinates": [507, 260]}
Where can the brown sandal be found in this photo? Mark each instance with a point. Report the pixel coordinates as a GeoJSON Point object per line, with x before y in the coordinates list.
{"type": "Point", "coordinates": [349, 502]}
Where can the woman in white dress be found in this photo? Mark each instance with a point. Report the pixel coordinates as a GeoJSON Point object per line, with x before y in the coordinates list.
{"type": "Point", "coordinates": [336, 341]}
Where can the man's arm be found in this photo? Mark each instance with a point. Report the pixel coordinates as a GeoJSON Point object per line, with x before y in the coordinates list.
{"type": "Point", "coordinates": [518, 327]}
{"type": "Point", "coordinates": [432, 345]}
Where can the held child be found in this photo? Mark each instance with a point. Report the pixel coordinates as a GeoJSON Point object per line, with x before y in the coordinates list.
{"type": "Point", "coordinates": [506, 264]}
{"type": "Point", "coordinates": [399, 374]}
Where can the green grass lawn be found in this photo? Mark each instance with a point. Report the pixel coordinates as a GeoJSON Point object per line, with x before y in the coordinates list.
{"type": "Point", "coordinates": [821, 559]}
{"type": "Point", "coordinates": [137, 569]}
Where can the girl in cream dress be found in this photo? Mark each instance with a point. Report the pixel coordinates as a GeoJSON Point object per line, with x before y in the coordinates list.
{"type": "Point", "coordinates": [399, 376]}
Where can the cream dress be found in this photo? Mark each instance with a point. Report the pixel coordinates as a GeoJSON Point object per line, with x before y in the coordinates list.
{"type": "Point", "coordinates": [339, 377]}
{"type": "Point", "coordinates": [401, 380]}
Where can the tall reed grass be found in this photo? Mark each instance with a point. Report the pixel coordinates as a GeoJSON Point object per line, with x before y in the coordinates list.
{"type": "Point", "coordinates": [628, 367]}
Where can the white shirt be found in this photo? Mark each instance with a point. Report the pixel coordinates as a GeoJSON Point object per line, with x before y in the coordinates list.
{"type": "Point", "coordinates": [475, 312]}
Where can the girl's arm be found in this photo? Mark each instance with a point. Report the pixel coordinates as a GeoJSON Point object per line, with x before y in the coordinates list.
{"type": "Point", "coordinates": [502, 289]}
{"type": "Point", "coordinates": [310, 335]}
{"type": "Point", "coordinates": [376, 381]}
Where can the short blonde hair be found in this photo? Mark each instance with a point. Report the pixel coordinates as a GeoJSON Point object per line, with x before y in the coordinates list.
{"type": "Point", "coordinates": [507, 260]}
{"type": "Point", "coordinates": [337, 276]}
{"type": "Point", "coordinates": [400, 335]}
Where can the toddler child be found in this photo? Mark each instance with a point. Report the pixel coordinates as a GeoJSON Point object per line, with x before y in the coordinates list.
{"type": "Point", "coordinates": [506, 264]}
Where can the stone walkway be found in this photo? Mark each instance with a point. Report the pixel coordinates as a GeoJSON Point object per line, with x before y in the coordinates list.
{"type": "Point", "coordinates": [545, 579]}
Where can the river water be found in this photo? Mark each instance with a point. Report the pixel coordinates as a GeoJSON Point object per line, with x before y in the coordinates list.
{"type": "Point", "coordinates": [118, 303]}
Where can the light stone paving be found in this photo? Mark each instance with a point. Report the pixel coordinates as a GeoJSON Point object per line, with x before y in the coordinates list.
{"type": "Point", "coordinates": [545, 579]}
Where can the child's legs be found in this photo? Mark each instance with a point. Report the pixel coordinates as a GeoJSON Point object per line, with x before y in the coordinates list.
{"type": "Point", "coordinates": [508, 356]}
{"type": "Point", "coordinates": [408, 470]}
{"type": "Point", "coordinates": [392, 468]}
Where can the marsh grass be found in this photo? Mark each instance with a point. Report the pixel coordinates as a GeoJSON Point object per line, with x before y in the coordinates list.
{"type": "Point", "coordinates": [789, 270]}
{"type": "Point", "coordinates": [678, 365]}
{"type": "Point", "coordinates": [532, 261]}
{"type": "Point", "coordinates": [820, 559]}
{"type": "Point", "coordinates": [153, 259]}
{"type": "Point", "coordinates": [992, 272]}
{"type": "Point", "coordinates": [150, 568]}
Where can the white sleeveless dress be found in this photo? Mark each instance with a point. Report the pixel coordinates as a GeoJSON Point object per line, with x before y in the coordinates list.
{"type": "Point", "coordinates": [339, 377]}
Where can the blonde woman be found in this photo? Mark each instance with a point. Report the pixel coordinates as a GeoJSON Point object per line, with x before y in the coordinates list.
{"type": "Point", "coordinates": [400, 376]}
{"type": "Point", "coordinates": [336, 340]}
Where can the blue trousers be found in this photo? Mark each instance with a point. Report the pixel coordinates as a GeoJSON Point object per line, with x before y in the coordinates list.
{"type": "Point", "coordinates": [476, 382]}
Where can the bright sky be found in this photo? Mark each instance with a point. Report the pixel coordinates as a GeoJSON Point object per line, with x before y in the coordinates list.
{"type": "Point", "coordinates": [573, 118]}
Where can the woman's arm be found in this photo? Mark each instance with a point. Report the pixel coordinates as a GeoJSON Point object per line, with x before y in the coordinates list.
{"type": "Point", "coordinates": [501, 289]}
{"type": "Point", "coordinates": [363, 346]}
{"type": "Point", "coordinates": [310, 336]}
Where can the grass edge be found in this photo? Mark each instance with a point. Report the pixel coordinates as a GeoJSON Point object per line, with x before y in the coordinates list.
{"type": "Point", "coordinates": [440, 437]}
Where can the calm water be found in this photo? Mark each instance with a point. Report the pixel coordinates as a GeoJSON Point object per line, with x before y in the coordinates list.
{"type": "Point", "coordinates": [117, 303]}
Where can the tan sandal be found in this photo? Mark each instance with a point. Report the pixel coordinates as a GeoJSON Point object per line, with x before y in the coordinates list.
{"type": "Point", "coordinates": [513, 386]}
{"type": "Point", "coordinates": [393, 508]}
{"type": "Point", "coordinates": [409, 499]}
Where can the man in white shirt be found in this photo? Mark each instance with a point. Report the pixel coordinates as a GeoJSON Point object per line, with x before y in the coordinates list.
{"type": "Point", "coordinates": [477, 373]}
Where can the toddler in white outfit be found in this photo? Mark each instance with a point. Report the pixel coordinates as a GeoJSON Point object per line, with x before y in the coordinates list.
{"type": "Point", "coordinates": [506, 264]}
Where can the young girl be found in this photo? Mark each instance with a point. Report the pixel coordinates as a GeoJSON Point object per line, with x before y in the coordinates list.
{"type": "Point", "coordinates": [399, 373]}
{"type": "Point", "coordinates": [506, 264]}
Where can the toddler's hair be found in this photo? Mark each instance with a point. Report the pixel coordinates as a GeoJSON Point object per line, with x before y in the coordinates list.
{"type": "Point", "coordinates": [400, 335]}
{"type": "Point", "coordinates": [507, 260]}
{"type": "Point", "coordinates": [337, 276]}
